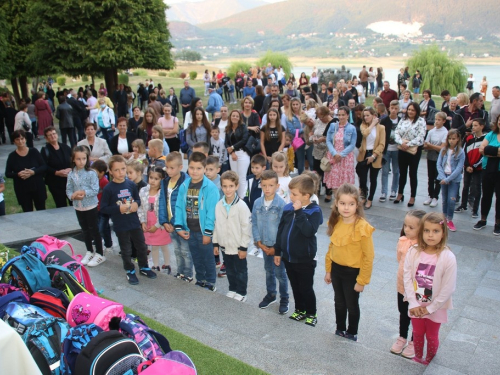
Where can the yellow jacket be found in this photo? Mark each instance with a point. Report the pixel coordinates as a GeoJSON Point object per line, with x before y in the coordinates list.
{"type": "Point", "coordinates": [351, 245]}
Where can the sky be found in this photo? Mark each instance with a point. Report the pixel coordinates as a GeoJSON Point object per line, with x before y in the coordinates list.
{"type": "Point", "coordinates": [195, 1]}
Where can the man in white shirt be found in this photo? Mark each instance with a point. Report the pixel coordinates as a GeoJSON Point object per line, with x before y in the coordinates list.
{"type": "Point", "coordinates": [495, 104]}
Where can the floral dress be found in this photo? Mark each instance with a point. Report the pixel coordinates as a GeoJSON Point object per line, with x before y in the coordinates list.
{"type": "Point", "coordinates": [340, 172]}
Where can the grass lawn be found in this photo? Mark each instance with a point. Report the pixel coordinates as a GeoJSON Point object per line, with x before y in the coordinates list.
{"type": "Point", "coordinates": [11, 206]}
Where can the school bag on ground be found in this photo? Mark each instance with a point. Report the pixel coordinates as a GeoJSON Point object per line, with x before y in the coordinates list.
{"type": "Point", "coordinates": [174, 363]}
{"type": "Point", "coordinates": [64, 280]}
{"type": "Point", "coordinates": [87, 308]}
{"type": "Point", "coordinates": [20, 315]}
{"type": "Point", "coordinates": [52, 300]}
{"type": "Point", "coordinates": [15, 296]}
{"type": "Point", "coordinates": [109, 353]}
{"type": "Point", "coordinates": [43, 340]}
{"type": "Point", "coordinates": [74, 342]}
{"type": "Point", "coordinates": [27, 272]}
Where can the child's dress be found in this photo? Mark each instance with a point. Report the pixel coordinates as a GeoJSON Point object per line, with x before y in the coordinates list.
{"type": "Point", "coordinates": [161, 236]}
{"type": "Point", "coordinates": [283, 189]}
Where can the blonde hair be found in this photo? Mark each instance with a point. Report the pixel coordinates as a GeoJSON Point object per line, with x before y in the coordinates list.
{"type": "Point", "coordinates": [311, 103]}
{"type": "Point", "coordinates": [157, 144]}
{"type": "Point", "coordinates": [159, 130]}
{"type": "Point", "coordinates": [136, 165]}
{"type": "Point", "coordinates": [463, 97]}
{"type": "Point", "coordinates": [281, 157]}
{"type": "Point", "coordinates": [433, 218]}
{"type": "Point", "coordinates": [139, 143]}
{"type": "Point", "coordinates": [458, 148]}
{"type": "Point", "coordinates": [352, 191]}
{"type": "Point", "coordinates": [441, 115]}
{"type": "Point", "coordinates": [174, 156]}
{"type": "Point", "coordinates": [315, 177]}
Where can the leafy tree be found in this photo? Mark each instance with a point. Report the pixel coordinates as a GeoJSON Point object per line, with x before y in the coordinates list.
{"type": "Point", "coordinates": [439, 71]}
{"type": "Point", "coordinates": [94, 37]}
{"type": "Point", "coordinates": [5, 67]}
{"type": "Point", "coordinates": [276, 59]}
{"type": "Point", "coordinates": [188, 55]}
{"type": "Point", "coordinates": [236, 66]}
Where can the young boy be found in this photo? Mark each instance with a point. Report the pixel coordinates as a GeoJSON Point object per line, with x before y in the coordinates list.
{"type": "Point", "coordinates": [296, 246]}
{"type": "Point", "coordinates": [166, 215]}
{"type": "Point", "coordinates": [120, 200]}
{"type": "Point", "coordinates": [212, 172]}
{"type": "Point", "coordinates": [473, 167]}
{"type": "Point", "coordinates": [202, 147]}
{"type": "Point", "coordinates": [266, 215]}
{"type": "Point", "coordinates": [254, 191]}
{"type": "Point", "coordinates": [101, 168]}
{"type": "Point", "coordinates": [155, 154]}
{"type": "Point", "coordinates": [219, 149]}
{"type": "Point", "coordinates": [195, 219]}
{"type": "Point", "coordinates": [232, 236]}
{"type": "Point", "coordinates": [435, 140]}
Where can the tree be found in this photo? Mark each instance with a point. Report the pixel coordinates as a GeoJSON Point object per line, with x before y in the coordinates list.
{"type": "Point", "coordinates": [188, 55]}
{"type": "Point", "coordinates": [438, 70]}
{"type": "Point", "coordinates": [276, 59]}
{"type": "Point", "coordinates": [236, 66]}
{"type": "Point", "coordinates": [94, 37]}
{"type": "Point", "coordinates": [5, 67]}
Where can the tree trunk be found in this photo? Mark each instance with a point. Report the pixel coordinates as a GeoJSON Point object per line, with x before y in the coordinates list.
{"type": "Point", "coordinates": [93, 80]}
{"type": "Point", "coordinates": [15, 90]}
{"type": "Point", "coordinates": [111, 79]}
{"type": "Point", "coordinates": [23, 82]}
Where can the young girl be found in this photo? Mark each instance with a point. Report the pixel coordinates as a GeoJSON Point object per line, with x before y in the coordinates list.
{"type": "Point", "coordinates": [135, 172]}
{"type": "Point", "coordinates": [349, 259]}
{"type": "Point", "coordinates": [450, 165]}
{"type": "Point", "coordinates": [157, 133]}
{"type": "Point", "coordinates": [82, 188]}
{"type": "Point", "coordinates": [279, 164]}
{"type": "Point", "coordinates": [154, 233]}
{"type": "Point", "coordinates": [198, 130]}
{"type": "Point", "coordinates": [409, 236]}
{"type": "Point", "coordinates": [139, 150]}
{"type": "Point", "coordinates": [272, 135]}
{"type": "Point", "coordinates": [430, 273]}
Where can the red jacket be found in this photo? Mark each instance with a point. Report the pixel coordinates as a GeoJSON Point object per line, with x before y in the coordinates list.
{"type": "Point", "coordinates": [472, 156]}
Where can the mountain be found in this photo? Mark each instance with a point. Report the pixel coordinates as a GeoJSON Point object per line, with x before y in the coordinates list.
{"type": "Point", "coordinates": [209, 10]}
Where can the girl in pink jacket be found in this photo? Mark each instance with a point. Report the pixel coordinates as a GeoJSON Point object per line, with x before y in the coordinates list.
{"type": "Point", "coordinates": [430, 273]}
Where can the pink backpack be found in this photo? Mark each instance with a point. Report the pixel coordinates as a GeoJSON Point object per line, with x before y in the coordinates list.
{"type": "Point", "coordinates": [50, 252]}
{"type": "Point", "coordinates": [86, 309]}
{"type": "Point", "coordinates": [172, 363]}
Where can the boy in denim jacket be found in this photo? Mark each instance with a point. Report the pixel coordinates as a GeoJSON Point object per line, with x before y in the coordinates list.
{"type": "Point", "coordinates": [266, 215]}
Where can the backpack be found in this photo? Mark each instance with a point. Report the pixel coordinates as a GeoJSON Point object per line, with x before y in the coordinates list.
{"type": "Point", "coordinates": [64, 280]}
{"type": "Point", "coordinates": [174, 362]}
{"type": "Point", "coordinates": [151, 343]}
{"type": "Point", "coordinates": [27, 272]}
{"type": "Point", "coordinates": [109, 353]}
{"type": "Point", "coordinates": [87, 308]}
{"type": "Point", "coordinates": [15, 296]}
{"type": "Point", "coordinates": [430, 119]}
{"type": "Point", "coordinates": [20, 315]}
{"type": "Point", "coordinates": [182, 138]}
{"type": "Point", "coordinates": [43, 340]}
{"type": "Point", "coordinates": [7, 289]}
{"type": "Point", "coordinates": [74, 342]}
{"type": "Point", "coordinates": [52, 300]}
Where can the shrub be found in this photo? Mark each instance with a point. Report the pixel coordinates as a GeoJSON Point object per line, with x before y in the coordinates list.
{"type": "Point", "coordinates": [192, 75]}
{"type": "Point", "coordinates": [173, 74]}
{"type": "Point", "coordinates": [135, 74]}
{"type": "Point", "coordinates": [85, 78]}
{"type": "Point", "coordinates": [162, 74]}
{"type": "Point", "coordinates": [61, 81]}
{"type": "Point", "coordinates": [140, 73]}
{"type": "Point", "coordinates": [276, 59]}
{"type": "Point", "coordinates": [236, 66]}
{"type": "Point", "coordinates": [123, 78]}
{"type": "Point", "coordinates": [182, 75]}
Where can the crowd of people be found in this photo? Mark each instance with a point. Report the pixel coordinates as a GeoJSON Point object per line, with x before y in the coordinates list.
{"type": "Point", "coordinates": [254, 180]}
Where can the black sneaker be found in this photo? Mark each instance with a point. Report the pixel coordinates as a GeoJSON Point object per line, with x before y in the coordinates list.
{"type": "Point", "coordinates": [351, 337]}
{"type": "Point", "coordinates": [179, 275]}
{"type": "Point", "coordinates": [475, 215]}
{"type": "Point", "coordinates": [210, 287]}
{"type": "Point", "coordinates": [496, 230]}
{"type": "Point", "coordinates": [298, 315]}
{"type": "Point", "coordinates": [480, 225]}
{"type": "Point", "coordinates": [340, 333]}
{"type": "Point", "coordinates": [148, 273]}
{"type": "Point", "coordinates": [283, 309]}
{"type": "Point", "coordinates": [312, 320]}
{"type": "Point", "coordinates": [267, 301]}
{"type": "Point", "coordinates": [187, 278]}
{"type": "Point", "coordinates": [132, 278]}
{"type": "Point", "coordinates": [460, 209]}
{"type": "Point", "coordinates": [199, 283]}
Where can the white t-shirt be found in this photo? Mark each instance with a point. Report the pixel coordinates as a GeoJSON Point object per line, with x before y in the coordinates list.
{"type": "Point", "coordinates": [218, 149]}
{"type": "Point", "coordinates": [447, 166]}
{"type": "Point", "coordinates": [267, 204]}
{"type": "Point", "coordinates": [122, 145]}
{"type": "Point", "coordinates": [283, 189]}
{"type": "Point", "coordinates": [436, 137]}
{"type": "Point", "coordinates": [392, 144]}
{"type": "Point", "coordinates": [370, 140]}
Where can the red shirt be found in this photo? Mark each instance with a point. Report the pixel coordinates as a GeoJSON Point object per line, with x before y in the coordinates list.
{"type": "Point", "coordinates": [388, 96]}
{"type": "Point", "coordinates": [102, 183]}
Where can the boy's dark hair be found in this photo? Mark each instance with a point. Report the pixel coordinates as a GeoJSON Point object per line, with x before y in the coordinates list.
{"type": "Point", "coordinates": [198, 157]}
{"type": "Point", "coordinates": [100, 166]}
{"type": "Point", "coordinates": [480, 121]}
{"type": "Point", "coordinates": [304, 184]}
{"type": "Point", "coordinates": [445, 93]}
{"type": "Point", "coordinates": [258, 159]}
{"type": "Point", "coordinates": [269, 175]}
{"type": "Point", "coordinates": [213, 160]}
{"type": "Point", "coordinates": [231, 176]}
{"type": "Point", "coordinates": [115, 159]}
{"type": "Point", "coordinates": [202, 145]}
{"type": "Point", "coordinates": [83, 149]}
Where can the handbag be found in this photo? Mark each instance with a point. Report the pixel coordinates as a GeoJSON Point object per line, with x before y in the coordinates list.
{"type": "Point", "coordinates": [325, 164]}
{"type": "Point", "coordinates": [411, 150]}
{"type": "Point", "coordinates": [297, 141]}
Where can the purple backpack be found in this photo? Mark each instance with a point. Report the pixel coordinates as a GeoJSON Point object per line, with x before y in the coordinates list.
{"type": "Point", "coordinates": [172, 363]}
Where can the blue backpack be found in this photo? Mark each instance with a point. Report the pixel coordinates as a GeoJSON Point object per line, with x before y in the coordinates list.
{"type": "Point", "coordinates": [183, 141]}
{"type": "Point", "coordinates": [21, 316]}
{"type": "Point", "coordinates": [43, 340]}
{"type": "Point", "coordinates": [76, 340]}
{"type": "Point", "coordinates": [27, 272]}
{"type": "Point", "coordinates": [16, 296]}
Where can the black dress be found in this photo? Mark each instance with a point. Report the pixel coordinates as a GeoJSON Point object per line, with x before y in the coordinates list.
{"type": "Point", "coordinates": [55, 161]}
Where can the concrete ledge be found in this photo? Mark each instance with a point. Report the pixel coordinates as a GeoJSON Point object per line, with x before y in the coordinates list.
{"type": "Point", "coordinates": [26, 227]}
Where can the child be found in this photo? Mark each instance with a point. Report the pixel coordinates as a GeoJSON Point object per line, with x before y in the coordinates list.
{"type": "Point", "coordinates": [212, 172]}
{"type": "Point", "coordinates": [157, 133]}
{"type": "Point", "coordinates": [168, 198]}
{"type": "Point", "coordinates": [82, 188]}
{"type": "Point", "coordinates": [272, 135]}
{"type": "Point", "coordinates": [434, 142]}
{"type": "Point", "coordinates": [232, 236]}
{"type": "Point", "coordinates": [120, 200]}
{"type": "Point", "coordinates": [230, 86]}
{"type": "Point", "coordinates": [139, 150]}
{"type": "Point", "coordinates": [202, 147]}
{"type": "Point", "coordinates": [104, 229]}
{"type": "Point", "coordinates": [290, 154]}
{"type": "Point", "coordinates": [473, 167]}
{"type": "Point", "coordinates": [349, 259]}
{"type": "Point", "coordinates": [450, 165]}
{"type": "Point", "coordinates": [2, 201]}
{"type": "Point", "coordinates": [317, 183]}
{"type": "Point", "coordinates": [218, 149]}
{"type": "Point", "coordinates": [195, 219]}
{"type": "Point", "coordinates": [198, 130]}
{"type": "Point", "coordinates": [409, 237]}
{"type": "Point", "coordinates": [135, 169]}
{"type": "Point", "coordinates": [430, 274]}
{"type": "Point", "coordinates": [279, 164]}
{"type": "Point", "coordinates": [254, 191]}
{"type": "Point", "coordinates": [266, 215]}
{"type": "Point", "coordinates": [296, 244]}
{"type": "Point", "coordinates": [155, 153]}
{"type": "Point", "coordinates": [154, 233]}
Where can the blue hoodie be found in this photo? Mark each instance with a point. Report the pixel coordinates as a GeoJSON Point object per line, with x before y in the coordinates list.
{"type": "Point", "coordinates": [164, 200]}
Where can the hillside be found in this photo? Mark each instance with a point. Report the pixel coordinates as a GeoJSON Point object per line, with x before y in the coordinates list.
{"type": "Point", "coordinates": [325, 16]}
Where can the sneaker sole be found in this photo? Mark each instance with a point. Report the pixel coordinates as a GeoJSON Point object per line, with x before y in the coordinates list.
{"type": "Point", "coordinates": [269, 304]}
{"type": "Point", "coordinates": [478, 228]}
{"type": "Point", "coordinates": [397, 353]}
{"type": "Point", "coordinates": [284, 312]}
{"type": "Point", "coordinates": [407, 356]}
{"type": "Point", "coordinates": [152, 277]}
{"type": "Point", "coordinates": [496, 234]}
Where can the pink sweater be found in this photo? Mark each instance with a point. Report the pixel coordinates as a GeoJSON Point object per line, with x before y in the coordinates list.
{"type": "Point", "coordinates": [404, 245]}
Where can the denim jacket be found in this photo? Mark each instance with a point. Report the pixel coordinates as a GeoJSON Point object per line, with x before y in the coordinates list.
{"type": "Point", "coordinates": [349, 139]}
{"type": "Point", "coordinates": [265, 222]}
{"type": "Point", "coordinates": [83, 180]}
{"type": "Point", "coordinates": [457, 166]}
{"type": "Point", "coordinates": [293, 125]}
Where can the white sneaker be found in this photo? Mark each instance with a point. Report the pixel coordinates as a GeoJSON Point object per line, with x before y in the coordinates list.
{"type": "Point", "coordinates": [434, 202]}
{"type": "Point", "coordinates": [108, 250]}
{"type": "Point", "coordinates": [428, 201]}
{"type": "Point", "coordinates": [239, 297]}
{"type": "Point", "coordinates": [230, 294]}
{"type": "Point", "coordinates": [87, 258]}
{"type": "Point", "coordinates": [96, 260]}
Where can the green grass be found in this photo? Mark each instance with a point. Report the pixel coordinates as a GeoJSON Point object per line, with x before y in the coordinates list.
{"type": "Point", "coordinates": [206, 359]}
{"type": "Point", "coordinates": [11, 206]}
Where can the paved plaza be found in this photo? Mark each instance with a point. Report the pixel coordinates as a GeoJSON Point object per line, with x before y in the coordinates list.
{"type": "Point", "coordinates": [470, 341]}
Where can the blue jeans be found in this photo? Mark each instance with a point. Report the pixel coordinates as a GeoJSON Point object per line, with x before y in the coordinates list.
{"type": "Point", "coordinates": [107, 134]}
{"type": "Point", "coordinates": [300, 156]}
{"type": "Point", "coordinates": [390, 157]}
{"type": "Point", "coordinates": [273, 273]}
{"type": "Point", "coordinates": [237, 273]}
{"type": "Point", "coordinates": [203, 258]}
{"type": "Point", "coordinates": [182, 255]}
{"type": "Point", "coordinates": [105, 229]}
{"type": "Point", "coordinates": [449, 193]}
{"type": "Point", "coordinates": [372, 88]}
